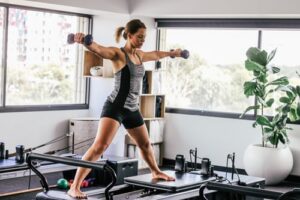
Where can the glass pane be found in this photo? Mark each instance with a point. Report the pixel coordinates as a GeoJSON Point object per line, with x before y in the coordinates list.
{"type": "Point", "coordinates": [41, 67]}
{"type": "Point", "coordinates": [212, 78]}
{"type": "Point", "coordinates": [287, 43]}
{"type": "Point", "coordinates": [2, 13]}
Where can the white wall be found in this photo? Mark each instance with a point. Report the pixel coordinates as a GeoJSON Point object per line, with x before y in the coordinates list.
{"type": "Point", "coordinates": [32, 129]}
{"type": "Point", "coordinates": [216, 137]}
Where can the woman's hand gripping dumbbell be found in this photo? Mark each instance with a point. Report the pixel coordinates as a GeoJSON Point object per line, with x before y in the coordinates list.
{"type": "Point", "coordinates": [180, 53]}
{"type": "Point", "coordinates": [80, 38]}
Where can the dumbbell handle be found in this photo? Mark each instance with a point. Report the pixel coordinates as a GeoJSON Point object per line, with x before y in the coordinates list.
{"type": "Point", "coordinates": [87, 40]}
{"type": "Point", "coordinates": [184, 54]}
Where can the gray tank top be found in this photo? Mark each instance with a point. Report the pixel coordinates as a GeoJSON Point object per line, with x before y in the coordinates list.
{"type": "Point", "coordinates": [127, 85]}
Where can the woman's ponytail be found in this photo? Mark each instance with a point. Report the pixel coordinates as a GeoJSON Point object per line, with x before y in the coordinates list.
{"type": "Point", "coordinates": [131, 27]}
{"type": "Point", "coordinates": [119, 33]}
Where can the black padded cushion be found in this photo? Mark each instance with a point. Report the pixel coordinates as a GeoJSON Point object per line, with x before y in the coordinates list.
{"type": "Point", "coordinates": [183, 181]}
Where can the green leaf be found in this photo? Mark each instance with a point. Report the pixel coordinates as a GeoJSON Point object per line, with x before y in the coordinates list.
{"type": "Point", "coordinates": [253, 66]}
{"type": "Point", "coordinates": [262, 78]}
{"type": "Point", "coordinates": [249, 88]}
{"type": "Point", "coordinates": [276, 118]}
{"type": "Point", "coordinates": [260, 90]}
{"type": "Point", "coordinates": [293, 115]}
{"type": "Point", "coordinates": [284, 100]}
{"type": "Point", "coordinates": [298, 90]}
{"type": "Point", "coordinates": [271, 56]}
{"type": "Point", "coordinates": [264, 121]}
{"type": "Point", "coordinates": [290, 95]}
{"type": "Point", "coordinates": [257, 55]}
{"type": "Point", "coordinates": [252, 52]}
{"type": "Point", "coordinates": [250, 108]}
{"type": "Point", "coordinates": [270, 102]}
{"type": "Point", "coordinates": [270, 91]}
{"type": "Point", "coordinates": [275, 70]}
{"type": "Point", "coordinates": [268, 130]}
{"type": "Point", "coordinates": [281, 81]}
{"type": "Point", "coordinates": [286, 109]}
{"type": "Point", "coordinates": [273, 139]}
{"type": "Point", "coordinates": [298, 110]}
{"type": "Point", "coordinates": [256, 73]}
{"type": "Point", "coordinates": [281, 138]}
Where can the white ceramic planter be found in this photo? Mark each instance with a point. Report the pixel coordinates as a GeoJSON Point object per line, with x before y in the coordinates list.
{"type": "Point", "coordinates": [273, 164]}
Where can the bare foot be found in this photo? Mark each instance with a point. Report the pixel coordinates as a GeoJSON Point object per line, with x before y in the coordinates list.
{"type": "Point", "coordinates": [76, 193]}
{"type": "Point", "coordinates": [162, 176]}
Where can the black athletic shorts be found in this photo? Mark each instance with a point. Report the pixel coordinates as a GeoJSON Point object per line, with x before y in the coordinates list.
{"type": "Point", "coordinates": [130, 119]}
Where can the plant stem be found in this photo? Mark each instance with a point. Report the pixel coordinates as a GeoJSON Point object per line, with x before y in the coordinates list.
{"type": "Point", "coordinates": [262, 127]}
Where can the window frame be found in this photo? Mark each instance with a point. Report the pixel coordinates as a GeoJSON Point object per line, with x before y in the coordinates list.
{"type": "Point", "coordinates": [29, 108]}
{"type": "Point", "coordinates": [258, 24]}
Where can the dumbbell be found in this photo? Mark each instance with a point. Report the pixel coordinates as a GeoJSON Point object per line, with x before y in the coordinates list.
{"type": "Point", "coordinates": [184, 54]}
{"type": "Point", "coordinates": [87, 40]}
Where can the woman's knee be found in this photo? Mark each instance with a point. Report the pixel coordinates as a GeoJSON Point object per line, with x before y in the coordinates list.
{"type": "Point", "coordinates": [98, 149]}
{"type": "Point", "coordinates": [146, 145]}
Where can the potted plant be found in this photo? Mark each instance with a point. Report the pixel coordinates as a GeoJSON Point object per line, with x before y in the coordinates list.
{"type": "Point", "coordinates": [272, 159]}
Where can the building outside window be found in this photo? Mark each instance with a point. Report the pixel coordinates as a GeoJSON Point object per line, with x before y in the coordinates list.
{"type": "Point", "coordinates": [39, 68]}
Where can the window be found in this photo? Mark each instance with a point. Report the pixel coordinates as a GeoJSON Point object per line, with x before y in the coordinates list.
{"type": "Point", "coordinates": [211, 80]}
{"type": "Point", "coordinates": [41, 70]}
{"type": "Point", "coordinates": [287, 43]}
{"type": "Point", "coordinates": [2, 21]}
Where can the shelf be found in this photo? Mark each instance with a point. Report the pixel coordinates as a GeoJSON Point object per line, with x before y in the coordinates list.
{"type": "Point", "coordinates": [90, 76]}
{"type": "Point", "coordinates": [152, 106]}
{"type": "Point", "coordinates": [132, 151]}
{"type": "Point", "coordinates": [155, 130]}
{"type": "Point", "coordinates": [91, 60]}
{"type": "Point", "coordinates": [85, 119]}
{"type": "Point", "coordinates": [153, 118]}
{"type": "Point", "coordinates": [150, 95]}
{"type": "Point", "coordinates": [151, 82]}
{"type": "Point", "coordinates": [130, 141]}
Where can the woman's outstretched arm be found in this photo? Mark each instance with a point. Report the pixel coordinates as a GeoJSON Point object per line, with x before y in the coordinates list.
{"type": "Point", "coordinates": [157, 55]}
{"type": "Point", "coordinates": [110, 53]}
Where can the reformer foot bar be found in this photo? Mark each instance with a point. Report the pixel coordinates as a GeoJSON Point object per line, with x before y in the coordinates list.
{"type": "Point", "coordinates": [51, 195]}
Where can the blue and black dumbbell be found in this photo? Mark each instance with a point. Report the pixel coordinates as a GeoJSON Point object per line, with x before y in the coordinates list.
{"type": "Point", "coordinates": [184, 54]}
{"type": "Point", "coordinates": [87, 40]}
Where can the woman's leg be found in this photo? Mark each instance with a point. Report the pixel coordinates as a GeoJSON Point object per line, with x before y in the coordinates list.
{"type": "Point", "coordinates": [141, 137]}
{"type": "Point", "coordinates": [107, 129]}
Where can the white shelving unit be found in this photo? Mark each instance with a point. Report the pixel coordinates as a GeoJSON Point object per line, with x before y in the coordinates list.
{"type": "Point", "coordinates": [152, 107]}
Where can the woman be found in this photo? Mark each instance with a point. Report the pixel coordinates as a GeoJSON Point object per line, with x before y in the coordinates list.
{"type": "Point", "coordinates": [122, 106]}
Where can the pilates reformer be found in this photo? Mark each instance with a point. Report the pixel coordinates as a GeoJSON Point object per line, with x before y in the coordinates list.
{"type": "Point", "coordinates": [141, 187]}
